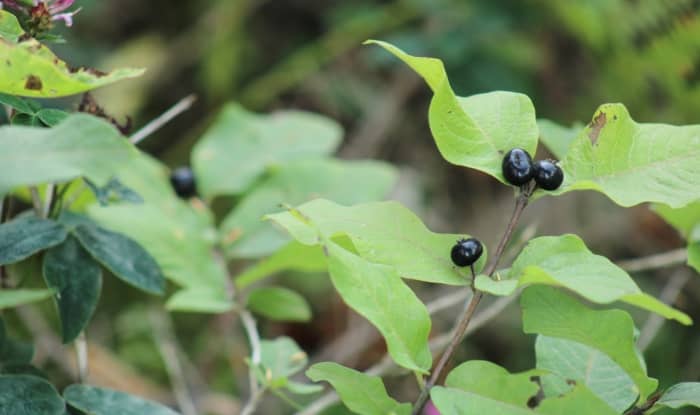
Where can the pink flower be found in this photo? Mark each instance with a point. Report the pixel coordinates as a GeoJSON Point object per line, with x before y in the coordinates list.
{"type": "Point", "coordinates": [36, 9]}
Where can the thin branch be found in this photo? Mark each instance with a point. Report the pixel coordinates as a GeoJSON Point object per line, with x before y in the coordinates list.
{"type": "Point", "coordinates": [48, 199]}
{"type": "Point", "coordinates": [36, 201]}
{"type": "Point", "coordinates": [466, 317]}
{"type": "Point", "coordinates": [164, 336]}
{"type": "Point", "coordinates": [668, 296]}
{"type": "Point", "coordinates": [153, 126]}
{"type": "Point", "coordinates": [662, 260]}
{"type": "Point", "coordinates": [81, 354]}
{"type": "Point", "coordinates": [251, 329]}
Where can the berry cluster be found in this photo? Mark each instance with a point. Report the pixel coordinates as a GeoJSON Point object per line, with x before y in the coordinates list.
{"type": "Point", "coordinates": [519, 169]}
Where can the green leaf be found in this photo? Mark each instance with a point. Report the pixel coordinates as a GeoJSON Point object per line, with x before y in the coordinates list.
{"type": "Point", "coordinates": [279, 359]}
{"type": "Point", "coordinates": [29, 395]}
{"type": "Point", "coordinates": [199, 300]}
{"type": "Point", "coordinates": [383, 233]}
{"type": "Point", "coordinates": [30, 69]}
{"type": "Point", "coordinates": [279, 303]}
{"type": "Point", "coordinates": [346, 182]}
{"type": "Point", "coordinates": [13, 298]}
{"type": "Point", "coordinates": [680, 395]}
{"type": "Point", "coordinates": [52, 117]}
{"type": "Point", "coordinates": [565, 261]}
{"type": "Point", "coordinates": [687, 221]}
{"type": "Point", "coordinates": [113, 191]}
{"type": "Point", "coordinates": [16, 103]}
{"type": "Point", "coordinates": [294, 256]}
{"type": "Point", "coordinates": [556, 137]}
{"type": "Point", "coordinates": [125, 258]}
{"type": "Point", "coordinates": [10, 29]}
{"type": "Point", "coordinates": [475, 131]}
{"type": "Point", "coordinates": [549, 312]}
{"type": "Point", "coordinates": [479, 387]}
{"type": "Point", "coordinates": [102, 401]}
{"type": "Point", "coordinates": [82, 145]}
{"type": "Point", "coordinates": [632, 163]}
{"type": "Point", "coordinates": [27, 235]}
{"type": "Point", "coordinates": [241, 145]}
{"type": "Point", "coordinates": [12, 351]}
{"type": "Point", "coordinates": [583, 364]}
{"type": "Point", "coordinates": [77, 280]}
{"type": "Point", "coordinates": [362, 394]}
{"type": "Point", "coordinates": [377, 293]}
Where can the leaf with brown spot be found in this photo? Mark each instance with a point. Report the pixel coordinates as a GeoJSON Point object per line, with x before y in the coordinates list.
{"type": "Point", "coordinates": [595, 126]}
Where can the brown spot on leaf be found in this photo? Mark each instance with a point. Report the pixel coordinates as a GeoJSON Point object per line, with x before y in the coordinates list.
{"type": "Point", "coordinates": [571, 382]}
{"type": "Point", "coordinates": [596, 125]}
{"type": "Point", "coordinates": [91, 71]}
{"type": "Point", "coordinates": [33, 83]}
{"type": "Point", "coordinates": [232, 236]}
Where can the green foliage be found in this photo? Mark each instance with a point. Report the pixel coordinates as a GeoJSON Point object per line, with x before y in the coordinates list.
{"type": "Point", "coordinates": [482, 387]}
{"type": "Point", "coordinates": [81, 145]}
{"type": "Point", "coordinates": [125, 258]}
{"type": "Point", "coordinates": [102, 401]}
{"type": "Point", "coordinates": [13, 298]}
{"type": "Point", "coordinates": [570, 360]}
{"type": "Point", "coordinates": [632, 162]}
{"type": "Point", "coordinates": [280, 359]}
{"type": "Point", "coordinates": [77, 280]}
{"type": "Point", "coordinates": [565, 261]}
{"type": "Point", "coordinates": [383, 233]}
{"type": "Point", "coordinates": [241, 145]}
{"type": "Point", "coordinates": [478, 130]}
{"type": "Point", "coordinates": [32, 70]}
{"type": "Point", "coordinates": [29, 395]}
{"type": "Point", "coordinates": [361, 393]}
{"type": "Point", "coordinates": [680, 395]}
{"type": "Point", "coordinates": [549, 312]}
{"type": "Point", "coordinates": [13, 352]}
{"type": "Point", "coordinates": [25, 236]}
{"type": "Point", "coordinates": [687, 221]}
{"type": "Point", "coordinates": [278, 303]}
{"type": "Point", "coordinates": [293, 256]}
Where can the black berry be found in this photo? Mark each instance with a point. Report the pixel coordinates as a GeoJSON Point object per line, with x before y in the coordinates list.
{"type": "Point", "coordinates": [182, 180]}
{"type": "Point", "coordinates": [548, 175]}
{"type": "Point", "coordinates": [517, 167]}
{"type": "Point", "coordinates": [466, 252]}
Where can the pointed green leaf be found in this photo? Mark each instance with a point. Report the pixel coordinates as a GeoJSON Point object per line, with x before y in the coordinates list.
{"type": "Point", "coordinates": [383, 233]}
{"type": "Point", "coordinates": [556, 137]}
{"type": "Point", "coordinates": [29, 395]}
{"type": "Point", "coordinates": [632, 163]}
{"type": "Point", "coordinates": [479, 387]}
{"type": "Point", "coordinates": [362, 394]}
{"type": "Point", "coordinates": [279, 359]}
{"type": "Point", "coordinates": [199, 300]}
{"type": "Point", "coordinates": [77, 280]}
{"type": "Point", "coordinates": [30, 69]}
{"type": "Point", "coordinates": [680, 395]}
{"type": "Point", "coordinates": [241, 145]}
{"type": "Point", "coordinates": [277, 303]}
{"type": "Point", "coordinates": [377, 293]}
{"type": "Point", "coordinates": [346, 182]}
{"type": "Point", "coordinates": [103, 401]}
{"type": "Point", "coordinates": [81, 145]}
{"type": "Point", "coordinates": [16, 103]}
{"type": "Point", "coordinates": [550, 312]}
{"type": "Point", "coordinates": [565, 261]}
{"type": "Point", "coordinates": [125, 258]}
{"type": "Point", "coordinates": [14, 298]}
{"type": "Point", "coordinates": [294, 256]}
{"type": "Point", "coordinates": [52, 117]}
{"type": "Point", "coordinates": [475, 131]}
{"type": "Point", "coordinates": [583, 364]}
{"type": "Point", "coordinates": [27, 235]}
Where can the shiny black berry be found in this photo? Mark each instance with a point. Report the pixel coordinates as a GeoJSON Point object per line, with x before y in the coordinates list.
{"type": "Point", "coordinates": [548, 175]}
{"type": "Point", "coordinates": [182, 180]}
{"type": "Point", "coordinates": [466, 252]}
{"type": "Point", "coordinates": [517, 167]}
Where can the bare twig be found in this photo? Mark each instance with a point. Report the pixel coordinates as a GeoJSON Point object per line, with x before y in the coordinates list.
{"type": "Point", "coordinates": [164, 336]}
{"type": "Point", "coordinates": [662, 260]}
{"type": "Point", "coordinates": [81, 355]}
{"type": "Point", "coordinates": [153, 126]}
{"type": "Point", "coordinates": [466, 317]}
{"type": "Point", "coordinates": [668, 295]}
{"type": "Point", "coordinates": [36, 201]}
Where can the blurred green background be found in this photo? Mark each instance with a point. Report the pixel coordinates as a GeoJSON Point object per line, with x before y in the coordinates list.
{"type": "Point", "coordinates": [569, 57]}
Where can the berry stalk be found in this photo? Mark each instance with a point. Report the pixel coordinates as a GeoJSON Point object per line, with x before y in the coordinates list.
{"type": "Point", "coordinates": [465, 319]}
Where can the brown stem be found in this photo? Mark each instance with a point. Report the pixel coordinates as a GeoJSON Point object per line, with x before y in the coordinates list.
{"type": "Point", "coordinates": [466, 317]}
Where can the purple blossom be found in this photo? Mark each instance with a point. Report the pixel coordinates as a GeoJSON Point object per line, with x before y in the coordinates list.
{"type": "Point", "coordinates": [34, 8]}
